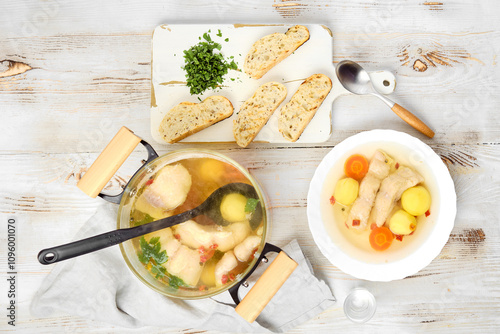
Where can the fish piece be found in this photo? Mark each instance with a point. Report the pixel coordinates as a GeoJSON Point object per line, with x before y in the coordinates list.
{"type": "Point", "coordinates": [169, 188]}
{"type": "Point", "coordinates": [167, 240]}
{"type": "Point", "coordinates": [186, 265]}
{"type": "Point", "coordinates": [246, 248]}
{"type": "Point", "coordinates": [239, 231]}
{"type": "Point", "coordinates": [196, 235]}
{"type": "Point", "coordinates": [172, 246]}
{"type": "Point", "coordinates": [390, 192]}
{"type": "Point", "coordinates": [142, 204]}
{"type": "Point", "coordinates": [224, 266]}
{"type": "Point", "coordinates": [378, 170]}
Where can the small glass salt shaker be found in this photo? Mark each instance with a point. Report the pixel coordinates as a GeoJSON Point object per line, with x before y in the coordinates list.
{"type": "Point", "coordinates": [360, 305]}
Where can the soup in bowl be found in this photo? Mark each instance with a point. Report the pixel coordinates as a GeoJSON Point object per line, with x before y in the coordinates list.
{"type": "Point", "coordinates": [381, 205]}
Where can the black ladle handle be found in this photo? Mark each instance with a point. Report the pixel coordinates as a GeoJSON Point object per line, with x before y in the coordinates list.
{"type": "Point", "coordinates": [209, 207]}
{"type": "Point", "coordinates": [108, 239]}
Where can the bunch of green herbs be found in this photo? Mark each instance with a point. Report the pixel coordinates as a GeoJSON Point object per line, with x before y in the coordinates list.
{"type": "Point", "coordinates": [205, 65]}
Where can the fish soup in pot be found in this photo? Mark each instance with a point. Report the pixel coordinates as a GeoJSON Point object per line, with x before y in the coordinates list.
{"type": "Point", "coordinates": [210, 251]}
{"type": "Point", "coordinates": [198, 257]}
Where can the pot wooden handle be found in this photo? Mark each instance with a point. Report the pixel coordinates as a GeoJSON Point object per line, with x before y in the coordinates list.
{"type": "Point", "coordinates": [413, 120]}
{"type": "Point", "coordinates": [266, 287]}
{"type": "Point", "coordinates": [108, 162]}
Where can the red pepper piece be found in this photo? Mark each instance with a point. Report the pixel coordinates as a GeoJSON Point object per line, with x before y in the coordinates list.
{"type": "Point", "coordinates": [224, 279]}
{"type": "Point", "coordinates": [373, 226]}
{"type": "Point", "coordinates": [428, 213]}
{"type": "Point", "coordinates": [356, 222]}
{"type": "Point", "coordinates": [399, 237]}
{"type": "Point", "coordinates": [150, 181]}
{"type": "Point", "coordinates": [332, 200]}
{"type": "Point", "coordinates": [397, 165]}
{"type": "Point", "coordinates": [206, 254]}
{"type": "Point", "coordinates": [253, 254]}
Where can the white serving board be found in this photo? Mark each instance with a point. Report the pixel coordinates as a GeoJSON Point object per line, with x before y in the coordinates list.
{"type": "Point", "coordinates": [169, 82]}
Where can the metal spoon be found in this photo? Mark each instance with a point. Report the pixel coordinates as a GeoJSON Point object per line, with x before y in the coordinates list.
{"type": "Point", "coordinates": [210, 207]}
{"type": "Point", "coordinates": [356, 80]}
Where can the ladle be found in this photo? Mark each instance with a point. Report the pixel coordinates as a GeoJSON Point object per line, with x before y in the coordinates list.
{"type": "Point", "coordinates": [356, 80]}
{"type": "Point", "coordinates": [210, 207]}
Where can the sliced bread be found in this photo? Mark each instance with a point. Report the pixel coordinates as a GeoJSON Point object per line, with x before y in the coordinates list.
{"type": "Point", "coordinates": [298, 112]}
{"type": "Point", "coordinates": [187, 118]}
{"type": "Point", "coordinates": [271, 49]}
{"type": "Point", "coordinates": [255, 112]}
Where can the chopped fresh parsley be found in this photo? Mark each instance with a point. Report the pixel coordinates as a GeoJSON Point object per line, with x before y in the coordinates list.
{"type": "Point", "coordinates": [206, 37]}
{"type": "Point", "coordinates": [251, 204]}
{"type": "Point", "coordinates": [151, 253]}
{"type": "Point", "coordinates": [205, 65]}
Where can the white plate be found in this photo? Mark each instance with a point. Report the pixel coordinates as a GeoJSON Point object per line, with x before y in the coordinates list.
{"type": "Point", "coordinates": [402, 258]}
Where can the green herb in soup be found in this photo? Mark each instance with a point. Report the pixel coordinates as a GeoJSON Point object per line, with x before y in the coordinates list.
{"type": "Point", "coordinates": [152, 255]}
{"type": "Point", "coordinates": [175, 282]}
{"type": "Point", "coordinates": [197, 254]}
{"type": "Point", "coordinates": [147, 219]}
{"type": "Point", "coordinates": [251, 205]}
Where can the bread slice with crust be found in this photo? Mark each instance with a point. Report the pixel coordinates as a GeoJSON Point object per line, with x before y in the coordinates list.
{"type": "Point", "coordinates": [187, 118]}
{"type": "Point", "coordinates": [256, 111]}
{"type": "Point", "coordinates": [271, 49]}
{"type": "Point", "coordinates": [298, 112]}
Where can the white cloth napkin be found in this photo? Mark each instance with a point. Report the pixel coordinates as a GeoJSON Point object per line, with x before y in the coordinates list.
{"type": "Point", "coordinates": [100, 286]}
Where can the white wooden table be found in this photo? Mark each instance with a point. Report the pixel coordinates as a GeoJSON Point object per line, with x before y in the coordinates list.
{"type": "Point", "coordinates": [72, 73]}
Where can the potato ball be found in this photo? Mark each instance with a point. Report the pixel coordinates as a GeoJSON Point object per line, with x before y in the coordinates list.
{"type": "Point", "coordinates": [402, 223]}
{"type": "Point", "coordinates": [212, 170]}
{"type": "Point", "coordinates": [346, 191]}
{"type": "Point", "coordinates": [232, 207]}
{"type": "Point", "coordinates": [416, 200]}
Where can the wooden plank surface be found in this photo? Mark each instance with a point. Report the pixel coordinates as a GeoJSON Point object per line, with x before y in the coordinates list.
{"type": "Point", "coordinates": [71, 74]}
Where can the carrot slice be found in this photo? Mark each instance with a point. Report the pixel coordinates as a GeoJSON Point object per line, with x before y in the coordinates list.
{"type": "Point", "coordinates": [381, 238]}
{"type": "Point", "coordinates": [356, 166]}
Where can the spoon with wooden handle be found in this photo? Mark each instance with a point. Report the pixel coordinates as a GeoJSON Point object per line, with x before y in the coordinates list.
{"type": "Point", "coordinates": [356, 80]}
